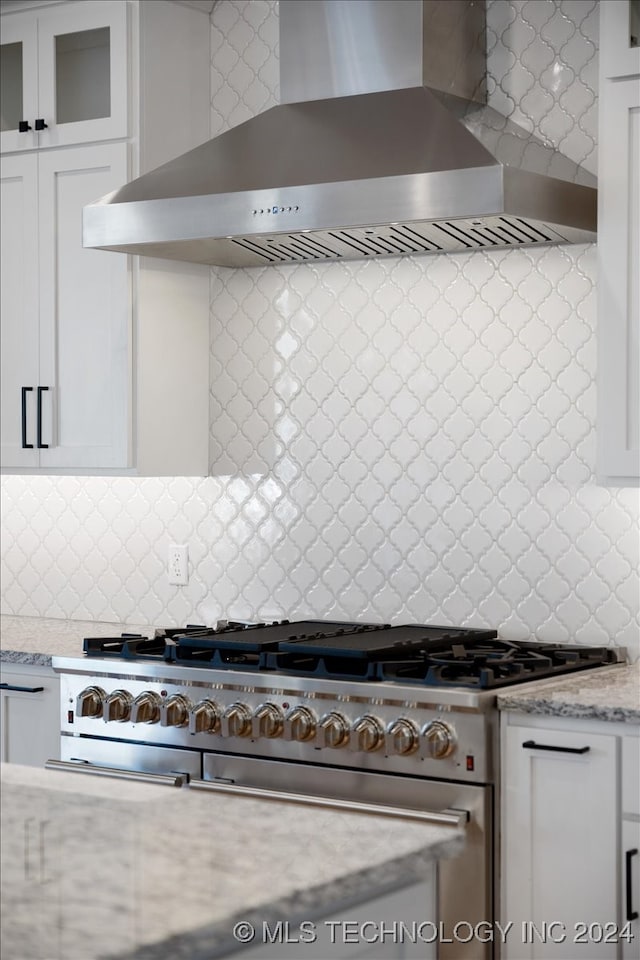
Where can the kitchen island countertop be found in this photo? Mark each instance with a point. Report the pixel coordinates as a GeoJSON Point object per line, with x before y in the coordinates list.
{"type": "Point", "coordinates": [153, 871]}
{"type": "Point", "coordinates": [610, 693]}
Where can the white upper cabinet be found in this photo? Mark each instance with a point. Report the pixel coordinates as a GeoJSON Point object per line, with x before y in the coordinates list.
{"type": "Point", "coordinates": [105, 358]}
{"type": "Point", "coordinates": [65, 314]}
{"type": "Point", "coordinates": [619, 39]}
{"type": "Point", "coordinates": [62, 81]}
{"type": "Point", "coordinates": [619, 244]}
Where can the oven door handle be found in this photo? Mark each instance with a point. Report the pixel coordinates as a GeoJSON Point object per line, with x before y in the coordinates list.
{"type": "Point", "coordinates": [140, 776]}
{"type": "Point", "coordinates": [445, 818]}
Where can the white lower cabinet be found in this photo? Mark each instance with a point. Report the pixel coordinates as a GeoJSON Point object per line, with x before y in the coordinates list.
{"type": "Point", "coordinates": [29, 714]}
{"type": "Point", "coordinates": [630, 885]}
{"type": "Point", "coordinates": [566, 867]}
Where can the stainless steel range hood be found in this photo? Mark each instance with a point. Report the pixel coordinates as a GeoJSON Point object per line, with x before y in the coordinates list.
{"type": "Point", "coordinates": [382, 145]}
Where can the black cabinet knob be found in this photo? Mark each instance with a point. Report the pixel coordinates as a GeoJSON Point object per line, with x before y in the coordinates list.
{"type": "Point", "coordinates": [23, 126]}
{"type": "Point", "coordinates": [40, 124]}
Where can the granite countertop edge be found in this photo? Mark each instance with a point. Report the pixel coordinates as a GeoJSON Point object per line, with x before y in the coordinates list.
{"type": "Point", "coordinates": [316, 903]}
{"type": "Point", "coordinates": [27, 658]}
{"type": "Point", "coordinates": [609, 693]}
{"type": "Point", "coordinates": [580, 711]}
{"type": "Point", "coordinates": [35, 641]}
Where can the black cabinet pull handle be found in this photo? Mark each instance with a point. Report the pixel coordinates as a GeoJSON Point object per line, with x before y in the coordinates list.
{"type": "Point", "coordinates": [631, 913]}
{"type": "Point", "coordinates": [532, 745]}
{"type": "Point", "coordinates": [39, 443]}
{"type": "Point", "coordinates": [13, 686]}
{"type": "Point", "coordinates": [40, 124]}
{"type": "Point", "coordinates": [23, 126]}
{"type": "Point", "coordinates": [25, 445]}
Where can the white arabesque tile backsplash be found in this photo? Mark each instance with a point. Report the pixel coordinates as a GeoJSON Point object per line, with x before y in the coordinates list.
{"type": "Point", "coordinates": [402, 439]}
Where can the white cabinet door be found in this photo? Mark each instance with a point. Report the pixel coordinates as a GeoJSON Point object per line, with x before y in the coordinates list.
{"type": "Point", "coordinates": [630, 863]}
{"type": "Point", "coordinates": [65, 315]}
{"type": "Point", "coordinates": [19, 86]}
{"type": "Point", "coordinates": [619, 281]}
{"type": "Point", "coordinates": [62, 73]}
{"type": "Point", "coordinates": [84, 315]}
{"type": "Point", "coordinates": [19, 319]}
{"type": "Point", "coordinates": [619, 38]}
{"type": "Point", "coordinates": [559, 840]}
{"type": "Point", "coordinates": [30, 715]}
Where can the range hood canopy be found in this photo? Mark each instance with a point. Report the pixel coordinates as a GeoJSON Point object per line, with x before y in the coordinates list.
{"type": "Point", "coordinates": [383, 145]}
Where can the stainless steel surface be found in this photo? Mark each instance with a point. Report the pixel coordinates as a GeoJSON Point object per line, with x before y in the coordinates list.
{"type": "Point", "coordinates": [445, 818]}
{"type": "Point", "coordinates": [403, 712]}
{"type": "Point", "coordinates": [117, 706]}
{"type": "Point", "coordinates": [174, 712]}
{"type": "Point", "coordinates": [404, 170]}
{"type": "Point", "coordinates": [367, 734]}
{"type": "Point", "coordinates": [465, 887]}
{"type": "Point", "coordinates": [439, 44]}
{"type": "Point", "coordinates": [403, 737]}
{"type": "Point", "coordinates": [439, 739]}
{"type": "Point", "coordinates": [90, 702]}
{"type": "Point", "coordinates": [236, 721]}
{"type": "Point", "coordinates": [140, 776]}
{"type": "Point", "coordinates": [204, 717]}
{"type": "Point", "coordinates": [146, 708]}
{"type": "Point", "coordinates": [267, 721]}
{"type": "Point", "coordinates": [299, 724]}
{"type": "Point", "coordinates": [132, 756]}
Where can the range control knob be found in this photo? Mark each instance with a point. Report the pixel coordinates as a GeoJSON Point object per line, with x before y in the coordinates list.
{"type": "Point", "coordinates": [236, 721]}
{"type": "Point", "coordinates": [333, 730]}
{"type": "Point", "coordinates": [117, 706]}
{"type": "Point", "coordinates": [146, 708]}
{"type": "Point", "coordinates": [174, 712]}
{"type": "Point", "coordinates": [439, 740]}
{"type": "Point", "coordinates": [204, 717]}
{"type": "Point", "coordinates": [402, 737]}
{"type": "Point", "coordinates": [367, 734]}
{"type": "Point", "coordinates": [267, 721]}
{"type": "Point", "coordinates": [90, 702]}
{"type": "Point", "coordinates": [299, 724]}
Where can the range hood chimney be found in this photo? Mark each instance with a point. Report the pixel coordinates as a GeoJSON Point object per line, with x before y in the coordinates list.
{"type": "Point", "coordinates": [382, 145]}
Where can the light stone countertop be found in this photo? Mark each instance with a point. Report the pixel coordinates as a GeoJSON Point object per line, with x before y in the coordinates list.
{"type": "Point", "coordinates": [150, 871]}
{"type": "Point", "coordinates": [610, 693]}
{"type": "Point", "coordinates": [35, 640]}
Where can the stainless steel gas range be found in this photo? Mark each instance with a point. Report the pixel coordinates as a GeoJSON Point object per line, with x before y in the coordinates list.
{"type": "Point", "coordinates": [398, 716]}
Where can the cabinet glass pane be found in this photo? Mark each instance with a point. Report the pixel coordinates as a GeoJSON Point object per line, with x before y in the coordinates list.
{"type": "Point", "coordinates": [634, 23]}
{"type": "Point", "coordinates": [83, 75]}
{"type": "Point", "coordinates": [10, 86]}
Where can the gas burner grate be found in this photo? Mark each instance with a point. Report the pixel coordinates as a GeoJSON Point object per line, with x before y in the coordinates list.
{"type": "Point", "coordinates": [498, 664]}
{"type": "Point", "coordinates": [128, 646]}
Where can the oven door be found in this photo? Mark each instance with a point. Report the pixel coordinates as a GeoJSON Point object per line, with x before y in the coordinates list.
{"type": "Point", "coordinates": [464, 883]}
{"type": "Point", "coordinates": [138, 758]}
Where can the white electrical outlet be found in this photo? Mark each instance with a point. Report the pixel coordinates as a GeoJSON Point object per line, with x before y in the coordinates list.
{"type": "Point", "coordinates": [178, 564]}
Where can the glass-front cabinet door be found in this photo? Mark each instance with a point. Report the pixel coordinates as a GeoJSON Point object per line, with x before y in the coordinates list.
{"type": "Point", "coordinates": [64, 74]}
{"type": "Point", "coordinates": [18, 82]}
